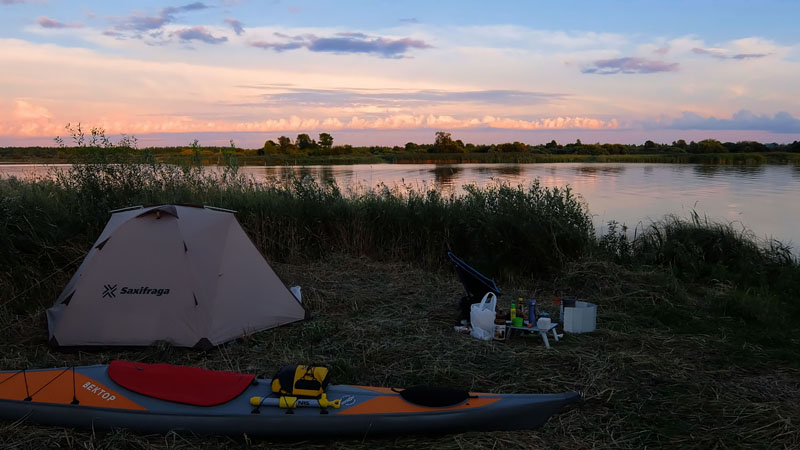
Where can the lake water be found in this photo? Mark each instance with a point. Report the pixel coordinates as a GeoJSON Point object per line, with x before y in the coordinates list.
{"type": "Point", "coordinates": [764, 198]}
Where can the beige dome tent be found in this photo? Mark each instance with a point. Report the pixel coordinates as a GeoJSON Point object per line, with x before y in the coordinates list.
{"type": "Point", "coordinates": [182, 274]}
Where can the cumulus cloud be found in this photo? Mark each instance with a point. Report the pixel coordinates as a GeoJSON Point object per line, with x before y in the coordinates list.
{"type": "Point", "coordinates": [781, 122]}
{"type": "Point", "coordinates": [278, 46]}
{"type": "Point", "coordinates": [199, 34]}
{"type": "Point", "coordinates": [238, 27]}
{"type": "Point", "coordinates": [721, 54]}
{"type": "Point", "coordinates": [26, 110]}
{"type": "Point", "coordinates": [184, 124]}
{"type": "Point", "coordinates": [400, 98]}
{"type": "Point", "coordinates": [346, 43]}
{"type": "Point", "coordinates": [629, 65]}
{"type": "Point", "coordinates": [44, 22]}
{"type": "Point", "coordinates": [142, 22]}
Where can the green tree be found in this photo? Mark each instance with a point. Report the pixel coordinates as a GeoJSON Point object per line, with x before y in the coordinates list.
{"type": "Point", "coordinates": [680, 143]}
{"type": "Point", "coordinates": [412, 147]}
{"type": "Point", "coordinates": [270, 147]}
{"type": "Point", "coordinates": [443, 139]}
{"type": "Point", "coordinates": [708, 146]}
{"type": "Point", "coordinates": [285, 145]}
{"type": "Point", "coordinates": [444, 143]}
{"type": "Point", "coordinates": [304, 142]}
{"type": "Point", "coordinates": [516, 147]}
{"type": "Point", "coordinates": [325, 141]}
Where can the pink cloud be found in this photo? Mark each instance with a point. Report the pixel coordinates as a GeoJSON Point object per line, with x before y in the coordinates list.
{"type": "Point", "coordinates": [629, 65]}
{"type": "Point", "coordinates": [720, 54]}
{"type": "Point", "coordinates": [28, 123]}
{"type": "Point", "coordinates": [45, 22]}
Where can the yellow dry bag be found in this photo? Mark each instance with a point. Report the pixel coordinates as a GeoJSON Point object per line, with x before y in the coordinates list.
{"type": "Point", "coordinates": [301, 381]}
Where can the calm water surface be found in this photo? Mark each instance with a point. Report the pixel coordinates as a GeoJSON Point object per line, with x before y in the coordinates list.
{"type": "Point", "coordinates": [765, 198]}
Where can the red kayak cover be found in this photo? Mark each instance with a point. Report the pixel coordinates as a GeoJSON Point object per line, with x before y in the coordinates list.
{"type": "Point", "coordinates": [189, 385]}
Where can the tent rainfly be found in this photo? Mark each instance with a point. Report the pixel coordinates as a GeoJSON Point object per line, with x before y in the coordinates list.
{"type": "Point", "coordinates": [183, 274]}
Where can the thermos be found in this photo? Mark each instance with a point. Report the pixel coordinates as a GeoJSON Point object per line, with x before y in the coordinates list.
{"type": "Point", "coordinates": [532, 311]}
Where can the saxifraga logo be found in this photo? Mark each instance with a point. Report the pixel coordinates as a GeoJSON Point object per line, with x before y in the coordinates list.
{"type": "Point", "coordinates": [109, 291]}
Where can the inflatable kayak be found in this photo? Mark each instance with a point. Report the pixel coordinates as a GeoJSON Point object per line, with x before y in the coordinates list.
{"type": "Point", "coordinates": [157, 398]}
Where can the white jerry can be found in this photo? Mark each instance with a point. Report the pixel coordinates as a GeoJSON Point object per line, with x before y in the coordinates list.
{"type": "Point", "coordinates": [582, 318]}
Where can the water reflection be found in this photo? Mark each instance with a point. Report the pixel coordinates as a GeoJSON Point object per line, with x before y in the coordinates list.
{"type": "Point", "coordinates": [286, 172]}
{"type": "Point", "coordinates": [326, 174]}
{"type": "Point", "coordinates": [711, 170]}
{"type": "Point", "coordinates": [706, 170]}
{"type": "Point", "coordinates": [601, 170]}
{"type": "Point", "coordinates": [445, 175]}
{"type": "Point", "coordinates": [511, 171]}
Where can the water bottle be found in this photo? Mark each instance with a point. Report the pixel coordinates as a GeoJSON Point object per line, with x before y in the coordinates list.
{"type": "Point", "coordinates": [532, 311]}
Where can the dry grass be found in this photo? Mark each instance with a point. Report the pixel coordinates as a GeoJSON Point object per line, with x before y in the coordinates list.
{"type": "Point", "coordinates": [648, 382]}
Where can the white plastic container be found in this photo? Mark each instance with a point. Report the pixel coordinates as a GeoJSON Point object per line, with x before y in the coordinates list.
{"type": "Point", "coordinates": [580, 319]}
{"type": "Point", "coordinates": [543, 323]}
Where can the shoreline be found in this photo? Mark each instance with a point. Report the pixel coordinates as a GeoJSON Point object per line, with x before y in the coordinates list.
{"type": "Point", "coordinates": [778, 158]}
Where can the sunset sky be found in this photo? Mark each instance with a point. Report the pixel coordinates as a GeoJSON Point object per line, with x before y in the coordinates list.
{"type": "Point", "coordinates": [388, 72]}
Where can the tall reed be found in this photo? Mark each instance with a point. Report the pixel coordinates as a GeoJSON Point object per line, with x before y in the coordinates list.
{"type": "Point", "coordinates": [517, 230]}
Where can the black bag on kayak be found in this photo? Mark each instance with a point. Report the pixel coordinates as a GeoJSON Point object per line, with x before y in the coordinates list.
{"type": "Point", "coordinates": [301, 381]}
{"type": "Point", "coordinates": [434, 397]}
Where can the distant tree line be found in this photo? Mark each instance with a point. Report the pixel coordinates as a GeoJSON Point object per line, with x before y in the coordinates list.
{"type": "Point", "coordinates": [444, 143]}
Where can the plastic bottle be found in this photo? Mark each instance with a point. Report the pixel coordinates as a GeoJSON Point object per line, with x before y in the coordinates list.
{"type": "Point", "coordinates": [532, 316]}
{"type": "Point", "coordinates": [499, 327]}
{"type": "Point", "coordinates": [513, 313]}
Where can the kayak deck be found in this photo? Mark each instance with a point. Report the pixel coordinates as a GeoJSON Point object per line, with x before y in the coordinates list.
{"type": "Point", "coordinates": [88, 397]}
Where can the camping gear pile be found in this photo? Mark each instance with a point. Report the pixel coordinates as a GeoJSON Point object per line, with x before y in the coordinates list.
{"type": "Point", "coordinates": [481, 303]}
{"type": "Point", "coordinates": [190, 276]}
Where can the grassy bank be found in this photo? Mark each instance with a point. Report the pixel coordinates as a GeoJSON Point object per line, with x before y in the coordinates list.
{"type": "Point", "coordinates": [676, 158]}
{"type": "Point", "coordinates": [697, 344]}
{"type": "Point", "coordinates": [218, 156]}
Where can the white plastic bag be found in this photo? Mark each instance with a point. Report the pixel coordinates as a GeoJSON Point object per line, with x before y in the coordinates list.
{"type": "Point", "coordinates": [482, 317]}
{"type": "Point", "coordinates": [296, 292]}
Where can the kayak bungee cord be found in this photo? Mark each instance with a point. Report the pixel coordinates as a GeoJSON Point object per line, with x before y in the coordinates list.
{"type": "Point", "coordinates": [30, 396]}
{"type": "Point", "coordinates": [74, 394]}
{"type": "Point", "coordinates": [21, 371]}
